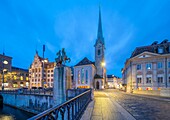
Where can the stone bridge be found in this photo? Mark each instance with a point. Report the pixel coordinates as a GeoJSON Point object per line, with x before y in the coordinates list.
{"type": "Point", "coordinates": [34, 102]}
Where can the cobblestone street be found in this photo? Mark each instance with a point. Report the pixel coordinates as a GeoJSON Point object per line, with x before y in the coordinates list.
{"type": "Point", "coordinates": [140, 107]}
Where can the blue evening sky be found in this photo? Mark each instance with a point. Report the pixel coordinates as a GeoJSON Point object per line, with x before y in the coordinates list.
{"type": "Point", "coordinates": [28, 24]}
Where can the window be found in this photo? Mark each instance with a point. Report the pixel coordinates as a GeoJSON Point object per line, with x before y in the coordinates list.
{"type": "Point", "coordinates": [148, 66]}
{"type": "Point", "coordinates": [98, 52]}
{"type": "Point", "coordinates": [139, 79]}
{"type": "Point", "coordinates": [86, 76]}
{"type": "Point", "coordinates": [82, 76]}
{"type": "Point", "coordinates": [51, 70]}
{"type": "Point", "coordinates": [79, 77]}
{"type": "Point", "coordinates": [51, 75]}
{"type": "Point", "coordinates": [148, 79]}
{"type": "Point", "coordinates": [160, 79]}
{"type": "Point", "coordinates": [48, 71]}
{"type": "Point", "coordinates": [168, 64]}
{"type": "Point", "coordinates": [169, 79]}
{"type": "Point", "coordinates": [139, 67]}
{"type": "Point", "coordinates": [160, 50]}
{"type": "Point", "coordinates": [160, 65]}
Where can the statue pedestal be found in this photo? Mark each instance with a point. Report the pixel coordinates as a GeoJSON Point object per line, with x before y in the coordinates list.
{"type": "Point", "coordinates": [62, 82]}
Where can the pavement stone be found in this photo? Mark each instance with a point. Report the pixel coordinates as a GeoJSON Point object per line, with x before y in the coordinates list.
{"type": "Point", "coordinates": [116, 105]}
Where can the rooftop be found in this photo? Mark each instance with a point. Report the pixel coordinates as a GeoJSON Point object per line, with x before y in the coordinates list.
{"type": "Point", "coordinates": [153, 48]}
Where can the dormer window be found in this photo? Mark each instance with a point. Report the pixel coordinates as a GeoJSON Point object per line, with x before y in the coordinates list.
{"type": "Point", "coordinates": [160, 50]}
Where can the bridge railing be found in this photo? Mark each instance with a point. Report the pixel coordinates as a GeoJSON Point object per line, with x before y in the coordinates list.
{"type": "Point", "coordinates": [69, 110]}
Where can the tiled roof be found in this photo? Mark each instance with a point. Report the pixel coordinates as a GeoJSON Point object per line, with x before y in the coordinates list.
{"type": "Point", "coordinates": [152, 48]}
{"type": "Point", "coordinates": [17, 68]}
{"type": "Point", "coordinates": [85, 61]}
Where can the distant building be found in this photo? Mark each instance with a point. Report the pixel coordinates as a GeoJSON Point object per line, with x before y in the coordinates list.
{"type": "Point", "coordinates": [88, 74]}
{"type": "Point", "coordinates": [17, 78]}
{"type": "Point", "coordinates": [3, 57]}
{"type": "Point", "coordinates": [39, 67]}
{"type": "Point", "coordinates": [14, 77]}
{"type": "Point", "coordinates": [148, 68]}
{"type": "Point", "coordinates": [114, 81]}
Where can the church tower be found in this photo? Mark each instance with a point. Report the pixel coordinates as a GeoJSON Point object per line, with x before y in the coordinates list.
{"type": "Point", "coordinates": [100, 49]}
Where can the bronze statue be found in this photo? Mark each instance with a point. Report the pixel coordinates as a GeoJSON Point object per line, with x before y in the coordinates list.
{"type": "Point", "coordinates": [62, 57]}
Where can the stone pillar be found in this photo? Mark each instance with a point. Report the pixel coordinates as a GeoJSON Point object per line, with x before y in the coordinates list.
{"type": "Point", "coordinates": [62, 82]}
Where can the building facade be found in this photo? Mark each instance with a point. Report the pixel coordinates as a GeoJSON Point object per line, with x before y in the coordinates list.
{"type": "Point", "coordinates": [41, 72]}
{"type": "Point", "coordinates": [84, 74]}
{"type": "Point", "coordinates": [93, 74]}
{"type": "Point", "coordinates": [7, 66]}
{"type": "Point", "coordinates": [17, 78]}
{"type": "Point", "coordinates": [114, 82]}
{"type": "Point", "coordinates": [148, 68]}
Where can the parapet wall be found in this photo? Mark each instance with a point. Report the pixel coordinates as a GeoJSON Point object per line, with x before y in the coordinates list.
{"type": "Point", "coordinates": [31, 103]}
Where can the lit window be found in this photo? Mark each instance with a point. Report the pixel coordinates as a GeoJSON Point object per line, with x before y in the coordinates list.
{"type": "Point", "coordinates": [160, 65]}
{"type": "Point", "coordinates": [148, 79]}
{"type": "Point", "coordinates": [160, 50]}
{"type": "Point", "coordinates": [82, 76]}
{"type": "Point", "coordinates": [79, 77]}
{"type": "Point", "coordinates": [160, 79]}
{"type": "Point", "coordinates": [15, 77]}
{"type": "Point", "coordinates": [139, 67]}
{"type": "Point", "coordinates": [148, 66]}
{"type": "Point", "coordinates": [86, 76]}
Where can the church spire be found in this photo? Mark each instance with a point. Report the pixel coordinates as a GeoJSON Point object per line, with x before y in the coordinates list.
{"type": "Point", "coordinates": [100, 32]}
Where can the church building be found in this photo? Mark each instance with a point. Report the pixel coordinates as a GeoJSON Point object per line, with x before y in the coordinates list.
{"type": "Point", "coordinates": [88, 74]}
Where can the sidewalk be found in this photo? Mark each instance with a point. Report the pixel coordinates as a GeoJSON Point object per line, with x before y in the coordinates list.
{"type": "Point", "coordinates": [104, 108]}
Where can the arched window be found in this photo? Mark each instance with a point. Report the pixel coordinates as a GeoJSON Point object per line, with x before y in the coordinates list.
{"type": "Point", "coordinates": [79, 77]}
{"type": "Point", "coordinates": [82, 76]}
{"type": "Point", "coordinates": [86, 76]}
{"type": "Point", "coordinates": [98, 52]}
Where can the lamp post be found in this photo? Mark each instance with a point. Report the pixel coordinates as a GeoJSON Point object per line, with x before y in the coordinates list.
{"type": "Point", "coordinates": [103, 64]}
{"type": "Point", "coordinates": [42, 82]}
{"type": "Point", "coordinates": [4, 62]}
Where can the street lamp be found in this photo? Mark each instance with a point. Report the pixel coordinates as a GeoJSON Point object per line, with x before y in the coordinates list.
{"type": "Point", "coordinates": [42, 82]}
{"type": "Point", "coordinates": [4, 62]}
{"type": "Point", "coordinates": [103, 64]}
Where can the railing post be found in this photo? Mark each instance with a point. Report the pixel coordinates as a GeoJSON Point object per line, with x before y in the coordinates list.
{"type": "Point", "coordinates": [73, 110]}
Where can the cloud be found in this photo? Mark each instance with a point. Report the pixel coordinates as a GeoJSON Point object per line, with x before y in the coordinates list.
{"type": "Point", "coordinates": [51, 47]}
